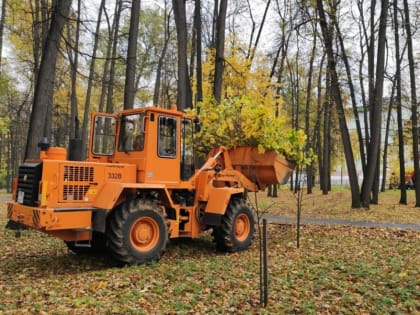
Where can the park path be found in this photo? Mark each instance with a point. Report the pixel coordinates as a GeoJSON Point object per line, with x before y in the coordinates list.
{"type": "Point", "coordinates": [323, 221]}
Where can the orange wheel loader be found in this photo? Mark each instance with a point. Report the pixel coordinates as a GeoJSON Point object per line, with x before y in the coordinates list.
{"type": "Point", "coordinates": [139, 188]}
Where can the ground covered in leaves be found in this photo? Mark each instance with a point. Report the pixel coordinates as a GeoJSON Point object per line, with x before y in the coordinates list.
{"type": "Point", "coordinates": [337, 205]}
{"type": "Point", "coordinates": [336, 270]}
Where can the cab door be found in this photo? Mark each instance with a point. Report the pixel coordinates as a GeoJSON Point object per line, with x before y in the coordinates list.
{"type": "Point", "coordinates": [102, 137]}
{"type": "Point", "coordinates": [162, 149]}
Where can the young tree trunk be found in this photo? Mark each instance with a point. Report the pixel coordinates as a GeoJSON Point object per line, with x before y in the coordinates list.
{"type": "Point", "coordinates": [252, 51]}
{"type": "Point", "coordinates": [414, 105]}
{"type": "Point", "coordinates": [86, 111]}
{"type": "Point", "coordinates": [280, 54]}
{"type": "Point", "coordinates": [45, 83]}
{"type": "Point", "coordinates": [220, 51]}
{"type": "Point", "coordinates": [376, 115]}
{"type": "Point", "coordinates": [130, 69]}
{"type": "Point", "coordinates": [331, 66]}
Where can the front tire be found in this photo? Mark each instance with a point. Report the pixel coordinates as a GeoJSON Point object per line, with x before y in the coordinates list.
{"type": "Point", "coordinates": [137, 232]}
{"type": "Point", "coordinates": [237, 228]}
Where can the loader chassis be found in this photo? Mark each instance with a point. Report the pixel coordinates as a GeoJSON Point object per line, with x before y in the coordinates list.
{"type": "Point", "coordinates": [138, 188]}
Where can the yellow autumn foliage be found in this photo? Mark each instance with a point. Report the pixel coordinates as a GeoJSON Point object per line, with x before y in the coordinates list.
{"type": "Point", "coordinates": [251, 112]}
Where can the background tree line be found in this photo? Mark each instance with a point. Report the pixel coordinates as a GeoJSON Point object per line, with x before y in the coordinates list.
{"type": "Point", "coordinates": [343, 72]}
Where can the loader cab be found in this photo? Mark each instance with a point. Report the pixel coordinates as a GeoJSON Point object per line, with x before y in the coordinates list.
{"type": "Point", "coordinates": [158, 141]}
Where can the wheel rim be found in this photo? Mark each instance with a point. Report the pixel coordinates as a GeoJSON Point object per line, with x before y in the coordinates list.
{"type": "Point", "coordinates": [144, 234]}
{"type": "Point", "coordinates": [242, 227]}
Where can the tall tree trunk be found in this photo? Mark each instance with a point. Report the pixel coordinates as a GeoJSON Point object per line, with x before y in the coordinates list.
{"type": "Point", "coordinates": [44, 33]}
{"type": "Point", "coordinates": [353, 96]}
{"type": "Point", "coordinates": [214, 24]}
{"type": "Point", "coordinates": [363, 34]}
{"type": "Point", "coordinates": [371, 61]}
{"type": "Point", "coordinates": [184, 99]}
{"type": "Point", "coordinates": [156, 93]}
{"type": "Point", "coordinates": [105, 74]}
{"type": "Point", "coordinates": [376, 114]}
{"type": "Point", "coordinates": [74, 62]}
{"type": "Point", "coordinates": [403, 192]}
{"type": "Point", "coordinates": [110, 92]}
{"type": "Point", "coordinates": [199, 70]}
{"type": "Point", "coordinates": [414, 105]}
{"type": "Point", "coordinates": [325, 167]}
{"type": "Point", "coordinates": [45, 83]}
{"type": "Point", "coordinates": [220, 51]}
{"type": "Point", "coordinates": [90, 82]}
{"type": "Point", "coordinates": [130, 69]}
{"type": "Point", "coordinates": [37, 41]}
{"type": "Point", "coordinates": [3, 15]}
{"type": "Point", "coordinates": [309, 168]}
{"type": "Point", "coordinates": [316, 138]}
{"type": "Point", "coordinates": [348, 152]}
{"type": "Point", "coordinates": [386, 142]}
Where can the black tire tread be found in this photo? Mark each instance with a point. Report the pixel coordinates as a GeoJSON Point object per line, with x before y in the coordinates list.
{"type": "Point", "coordinates": [223, 234]}
{"type": "Point", "coordinates": [115, 231]}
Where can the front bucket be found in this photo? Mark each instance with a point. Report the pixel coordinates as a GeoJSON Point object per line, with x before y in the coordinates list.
{"type": "Point", "coordinates": [262, 168]}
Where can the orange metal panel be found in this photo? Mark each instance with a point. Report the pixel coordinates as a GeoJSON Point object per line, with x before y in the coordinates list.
{"type": "Point", "coordinates": [66, 220]}
{"type": "Point", "coordinates": [49, 219]}
{"type": "Point", "coordinates": [219, 199]}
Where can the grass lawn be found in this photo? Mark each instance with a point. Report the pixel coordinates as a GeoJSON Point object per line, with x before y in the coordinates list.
{"type": "Point", "coordinates": [337, 270]}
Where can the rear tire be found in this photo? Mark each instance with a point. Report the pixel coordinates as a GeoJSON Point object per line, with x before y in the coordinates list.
{"type": "Point", "coordinates": [137, 232]}
{"type": "Point", "coordinates": [237, 228]}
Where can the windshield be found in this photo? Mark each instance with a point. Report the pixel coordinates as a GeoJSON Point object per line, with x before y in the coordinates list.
{"type": "Point", "coordinates": [132, 133]}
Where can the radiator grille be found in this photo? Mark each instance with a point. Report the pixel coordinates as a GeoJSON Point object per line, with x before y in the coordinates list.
{"type": "Point", "coordinates": [78, 173]}
{"type": "Point", "coordinates": [74, 192]}
{"type": "Point", "coordinates": [76, 182]}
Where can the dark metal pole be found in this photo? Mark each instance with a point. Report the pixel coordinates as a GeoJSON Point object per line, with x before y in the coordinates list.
{"type": "Point", "coordinates": [265, 264]}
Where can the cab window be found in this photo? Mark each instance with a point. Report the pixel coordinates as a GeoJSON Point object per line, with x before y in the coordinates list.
{"type": "Point", "coordinates": [167, 141]}
{"type": "Point", "coordinates": [187, 149]}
